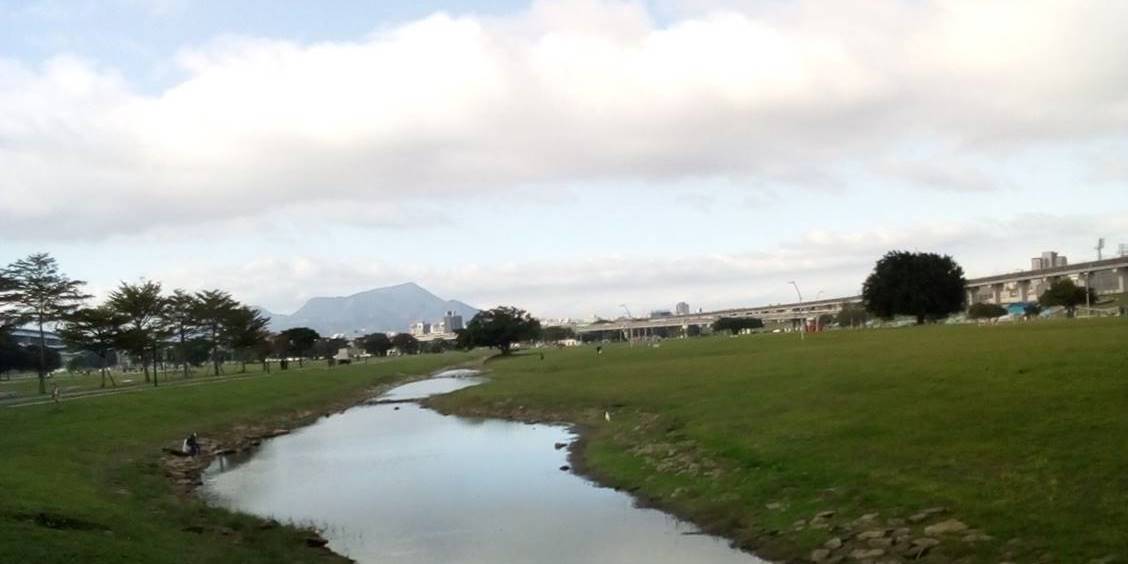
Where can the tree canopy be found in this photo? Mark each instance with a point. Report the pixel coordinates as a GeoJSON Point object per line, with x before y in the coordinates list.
{"type": "Point", "coordinates": [1066, 294]}
{"type": "Point", "coordinates": [502, 326]}
{"type": "Point", "coordinates": [405, 343]}
{"type": "Point", "coordinates": [735, 325]}
{"type": "Point", "coordinates": [986, 311]}
{"type": "Point", "coordinates": [376, 344]}
{"type": "Point", "coordinates": [97, 330]}
{"type": "Point", "coordinates": [300, 340]}
{"type": "Point", "coordinates": [34, 290]}
{"type": "Point", "coordinates": [923, 285]}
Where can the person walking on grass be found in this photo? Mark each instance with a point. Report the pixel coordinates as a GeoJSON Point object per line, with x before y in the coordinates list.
{"type": "Point", "coordinates": [55, 393]}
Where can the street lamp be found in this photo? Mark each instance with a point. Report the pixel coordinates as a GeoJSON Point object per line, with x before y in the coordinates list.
{"type": "Point", "coordinates": [802, 330]}
{"type": "Point", "coordinates": [630, 332]}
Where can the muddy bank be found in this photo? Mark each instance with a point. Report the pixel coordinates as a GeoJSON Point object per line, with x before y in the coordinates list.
{"type": "Point", "coordinates": [186, 472]}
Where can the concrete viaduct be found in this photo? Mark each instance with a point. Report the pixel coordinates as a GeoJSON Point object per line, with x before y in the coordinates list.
{"type": "Point", "coordinates": [1109, 276]}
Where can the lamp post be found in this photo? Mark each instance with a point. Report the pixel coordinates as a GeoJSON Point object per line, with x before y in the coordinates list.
{"type": "Point", "coordinates": [803, 320]}
{"type": "Point", "coordinates": [630, 332]}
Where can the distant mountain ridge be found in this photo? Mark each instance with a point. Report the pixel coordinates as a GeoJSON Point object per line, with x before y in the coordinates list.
{"type": "Point", "coordinates": [393, 308]}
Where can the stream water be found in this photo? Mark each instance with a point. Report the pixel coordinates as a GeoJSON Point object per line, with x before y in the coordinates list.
{"type": "Point", "coordinates": [401, 483]}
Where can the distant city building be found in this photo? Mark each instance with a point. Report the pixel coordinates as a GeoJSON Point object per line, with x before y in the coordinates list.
{"type": "Point", "coordinates": [1049, 259]}
{"type": "Point", "coordinates": [660, 313]}
{"type": "Point", "coordinates": [420, 328]}
{"type": "Point", "coordinates": [452, 322]}
{"type": "Point", "coordinates": [681, 308]}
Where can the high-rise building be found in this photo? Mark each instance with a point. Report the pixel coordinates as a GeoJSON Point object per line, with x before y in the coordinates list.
{"type": "Point", "coordinates": [452, 322]}
{"type": "Point", "coordinates": [1049, 259]}
{"type": "Point", "coordinates": [420, 328]}
{"type": "Point", "coordinates": [681, 308]}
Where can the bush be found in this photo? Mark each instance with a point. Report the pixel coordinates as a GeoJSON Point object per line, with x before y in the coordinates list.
{"type": "Point", "coordinates": [986, 311]}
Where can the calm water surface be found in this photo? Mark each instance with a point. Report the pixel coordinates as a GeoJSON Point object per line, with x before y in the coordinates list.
{"type": "Point", "coordinates": [409, 485]}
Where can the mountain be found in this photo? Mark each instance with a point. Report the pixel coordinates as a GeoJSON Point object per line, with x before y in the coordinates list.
{"type": "Point", "coordinates": [393, 308]}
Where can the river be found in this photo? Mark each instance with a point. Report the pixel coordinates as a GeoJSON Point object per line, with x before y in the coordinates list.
{"type": "Point", "coordinates": [404, 484]}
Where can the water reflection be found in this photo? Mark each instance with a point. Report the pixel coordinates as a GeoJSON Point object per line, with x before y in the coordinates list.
{"type": "Point", "coordinates": [413, 486]}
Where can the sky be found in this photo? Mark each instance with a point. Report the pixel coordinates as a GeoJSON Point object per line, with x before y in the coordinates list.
{"type": "Point", "coordinates": [565, 157]}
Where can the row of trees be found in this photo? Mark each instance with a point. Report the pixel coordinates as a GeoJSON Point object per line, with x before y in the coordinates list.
{"type": "Point", "coordinates": [139, 319]}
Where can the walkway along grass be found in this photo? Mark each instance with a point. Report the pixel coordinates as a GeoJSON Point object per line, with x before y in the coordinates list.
{"type": "Point", "coordinates": [82, 481]}
{"type": "Point", "coordinates": [937, 444]}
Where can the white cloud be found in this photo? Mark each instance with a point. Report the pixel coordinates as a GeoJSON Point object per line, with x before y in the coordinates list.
{"type": "Point", "coordinates": [447, 107]}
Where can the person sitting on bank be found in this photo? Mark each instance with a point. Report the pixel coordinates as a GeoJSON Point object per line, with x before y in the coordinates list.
{"type": "Point", "coordinates": [191, 445]}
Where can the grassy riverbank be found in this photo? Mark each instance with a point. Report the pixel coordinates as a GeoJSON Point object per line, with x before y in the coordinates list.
{"type": "Point", "coordinates": [1019, 431]}
{"type": "Point", "coordinates": [81, 481]}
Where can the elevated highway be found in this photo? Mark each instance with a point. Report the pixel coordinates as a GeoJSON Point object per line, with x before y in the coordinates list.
{"type": "Point", "coordinates": [1109, 276]}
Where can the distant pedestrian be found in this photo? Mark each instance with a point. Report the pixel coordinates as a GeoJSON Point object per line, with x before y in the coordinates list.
{"type": "Point", "coordinates": [599, 349]}
{"type": "Point", "coordinates": [55, 393]}
{"type": "Point", "coordinates": [542, 356]}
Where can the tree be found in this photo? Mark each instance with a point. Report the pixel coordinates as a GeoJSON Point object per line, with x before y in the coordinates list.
{"type": "Point", "coordinates": [300, 341]}
{"type": "Point", "coordinates": [181, 316]}
{"type": "Point", "coordinates": [923, 285]}
{"type": "Point", "coordinates": [145, 328]}
{"type": "Point", "coordinates": [852, 315]}
{"type": "Point", "coordinates": [244, 330]}
{"type": "Point", "coordinates": [557, 333]}
{"type": "Point", "coordinates": [405, 343]}
{"type": "Point", "coordinates": [502, 326]}
{"type": "Point", "coordinates": [736, 324]}
{"type": "Point", "coordinates": [12, 356]}
{"type": "Point", "coordinates": [376, 344]}
{"type": "Point", "coordinates": [212, 309]}
{"type": "Point", "coordinates": [327, 347]}
{"type": "Point", "coordinates": [96, 330]}
{"type": "Point", "coordinates": [35, 291]}
{"type": "Point", "coordinates": [986, 311]}
{"type": "Point", "coordinates": [1066, 294]}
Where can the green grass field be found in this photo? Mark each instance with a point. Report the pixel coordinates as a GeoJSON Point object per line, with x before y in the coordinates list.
{"type": "Point", "coordinates": [81, 481]}
{"type": "Point", "coordinates": [1020, 430]}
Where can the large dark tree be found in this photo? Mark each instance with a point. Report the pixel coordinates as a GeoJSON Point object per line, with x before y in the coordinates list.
{"type": "Point", "coordinates": [300, 341]}
{"type": "Point", "coordinates": [145, 329]}
{"type": "Point", "coordinates": [405, 343]}
{"type": "Point", "coordinates": [213, 307]}
{"type": "Point", "coordinates": [924, 285]}
{"type": "Point", "coordinates": [327, 347]}
{"type": "Point", "coordinates": [502, 326]}
{"type": "Point", "coordinates": [35, 291]}
{"type": "Point", "coordinates": [376, 344]}
{"type": "Point", "coordinates": [735, 325]}
{"type": "Point", "coordinates": [1066, 294]}
{"type": "Point", "coordinates": [557, 333]}
{"type": "Point", "coordinates": [97, 331]}
{"type": "Point", "coordinates": [986, 311]}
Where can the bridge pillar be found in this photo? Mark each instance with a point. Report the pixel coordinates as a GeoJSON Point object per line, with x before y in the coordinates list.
{"type": "Point", "coordinates": [1122, 280]}
{"type": "Point", "coordinates": [971, 296]}
{"type": "Point", "coordinates": [997, 293]}
{"type": "Point", "coordinates": [1023, 290]}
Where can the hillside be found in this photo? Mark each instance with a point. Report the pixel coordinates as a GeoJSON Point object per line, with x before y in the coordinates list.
{"type": "Point", "coordinates": [393, 308]}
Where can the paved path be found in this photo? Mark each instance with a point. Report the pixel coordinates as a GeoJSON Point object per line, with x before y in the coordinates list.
{"type": "Point", "coordinates": [99, 392]}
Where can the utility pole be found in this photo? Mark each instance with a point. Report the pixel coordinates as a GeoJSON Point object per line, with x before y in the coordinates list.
{"type": "Point", "coordinates": [630, 318]}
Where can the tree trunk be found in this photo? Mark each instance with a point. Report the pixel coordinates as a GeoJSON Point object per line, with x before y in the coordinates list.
{"type": "Point", "coordinates": [920, 319]}
{"type": "Point", "coordinates": [42, 358]}
{"type": "Point", "coordinates": [155, 365]}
